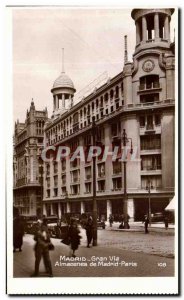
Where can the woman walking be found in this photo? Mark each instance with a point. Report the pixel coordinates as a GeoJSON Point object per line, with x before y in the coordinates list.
{"type": "Point", "coordinates": [74, 237]}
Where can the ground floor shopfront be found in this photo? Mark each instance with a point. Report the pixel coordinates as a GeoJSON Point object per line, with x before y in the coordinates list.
{"type": "Point", "coordinates": [137, 206]}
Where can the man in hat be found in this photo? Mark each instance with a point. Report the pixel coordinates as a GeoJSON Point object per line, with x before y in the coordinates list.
{"type": "Point", "coordinates": [42, 239]}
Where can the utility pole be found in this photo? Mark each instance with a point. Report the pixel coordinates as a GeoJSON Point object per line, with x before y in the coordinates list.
{"type": "Point", "coordinates": [94, 186]}
{"type": "Point", "coordinates": [149, 186]}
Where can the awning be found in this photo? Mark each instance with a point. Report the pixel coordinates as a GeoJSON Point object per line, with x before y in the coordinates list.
{"type": "Point", "coordinates": [171, 205]}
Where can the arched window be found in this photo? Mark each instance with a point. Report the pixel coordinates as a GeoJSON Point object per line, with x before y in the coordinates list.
{"type": "Point", "coordinates": [117, 91]}
{"type": "Point", "coordinates": [101, 101]}
{"type": "Point", "coordinates": [88, 110]}
{"type": "Point", "coordinates": [149, 82]}
{"type": "Point", "coordinates": [106, 97]}
{"type": "Point", "coordinates": [75, 118]}
{"type": "Point", "coordinates": [84, 111]}
{"type": "Point", "coordinates": [111, 94]}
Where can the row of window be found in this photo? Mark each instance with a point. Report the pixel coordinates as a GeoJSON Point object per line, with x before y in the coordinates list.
{"type": "Point", "coordinates": [83, 118]}
{"type": "Point", "coordinates": [155, 183]}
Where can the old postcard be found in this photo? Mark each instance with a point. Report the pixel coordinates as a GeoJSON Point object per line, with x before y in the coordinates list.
{"type": "Point", "coordinates": [92, 184]}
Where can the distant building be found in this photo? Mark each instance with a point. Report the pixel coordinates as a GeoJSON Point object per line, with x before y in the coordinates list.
{"type": "Point", "coordinates": [141, 99]}
{"type": "Point", "coordinates": [27, 163]}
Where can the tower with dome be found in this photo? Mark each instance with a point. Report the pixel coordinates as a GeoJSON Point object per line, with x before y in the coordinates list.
{"type": "Point", "coordinates": [63, 92]}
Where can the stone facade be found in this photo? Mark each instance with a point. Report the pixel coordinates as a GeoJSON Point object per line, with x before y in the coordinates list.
{"type": "Point", "coordinates": [27, 163]}
{"type": "Point", "coordinates": [141, 100]}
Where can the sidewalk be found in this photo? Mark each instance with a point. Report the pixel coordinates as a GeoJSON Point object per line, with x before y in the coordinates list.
{"type": "Point", "coordinates": [139, 227]}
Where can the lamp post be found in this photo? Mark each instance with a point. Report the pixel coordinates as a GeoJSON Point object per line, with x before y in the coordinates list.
{"type": "Point", "coordinates": [41, 171]}
{"type": "Point", "coordinates": [41, 177]}
{"type": "Point", "coordinates": [148, 188]}
{"type": "Point", "coordinates": [125, 204]}
{"type": "Point", "coordinates": [94, 186]}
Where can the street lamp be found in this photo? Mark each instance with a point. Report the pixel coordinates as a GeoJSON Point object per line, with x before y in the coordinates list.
{"type": "Point", "coordinates": [148, 188]}
{"type": "Point", "coordinates": [125, 206]}
{"type": "Point", "coordinates": [94, 186]}
{"type": "Point", "coordinates": [41, 171]}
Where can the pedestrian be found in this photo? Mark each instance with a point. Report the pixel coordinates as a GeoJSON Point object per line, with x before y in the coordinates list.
{"type": "Point", "coordinates": [166, 221]}
{"type": "Point", "coordinates": [146, 222]}
{"type": "Point", "coordinates": [18, 233]}
{"type": "Point", "coordinates": [111, 220]}
{"type": "Point", "coordinates": [42, 247]}
{"type": "Point", "coordinates": [89, 231]}
{"type": "Point", "coordinates": [74, 237]}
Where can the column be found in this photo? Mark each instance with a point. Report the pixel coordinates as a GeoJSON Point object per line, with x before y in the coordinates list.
{"type": "Point", "coordinates": [138, 38]}
{"type": "Point", "coordinates": [51, 209]}
{"type": "Point", "coordinates": [63, 100]}
{"type": "Point", "coordinates": [57, 102]}
{"type": "Point", "coordinates": [54, 103]}
{"type": "Point", "coordinates": [59, 210]}
{"type": "Point", "coordinates": [82, 169]}
{"type": "Point", "coordinates": [44, 210]}
{"type": "Point", "coordinates": [131, 209]}
{"type": "Point", "coordinates": [156, 25]}
{"type": "Point", "coordinates": [166, 28]}
{"type": "Point", "coordinates": [67, 207]}
{"type": "Point", "coordinates": [170, 66]}
{"type": "Point", "coordinates": [82, 207]}
{"type": "Point", "coordinates": [70, 100]}
{"type": "Point", "coordinates": [109, 208]}
{"type": "Point", "coordinates": [144, 29]}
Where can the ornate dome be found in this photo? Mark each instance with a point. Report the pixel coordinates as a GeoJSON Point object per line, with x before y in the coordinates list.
{"type": "Point", "coordinates": [63, 81]}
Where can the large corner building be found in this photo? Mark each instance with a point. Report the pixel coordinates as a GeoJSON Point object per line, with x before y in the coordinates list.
{"type": "Point", "coordinates": [141, 100]}
{"type": "Point", "coordinates": [27, 162]}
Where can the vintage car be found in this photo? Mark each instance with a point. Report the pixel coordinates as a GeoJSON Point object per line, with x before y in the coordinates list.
{"type": "Point", "coordinates": [101, 223]}
{"type": "Point", "coordinates": [56, 227]}
{"type": "Point", "coordinates": [30, 224]}
{"type": "Point", "coordinates": [157, 217]}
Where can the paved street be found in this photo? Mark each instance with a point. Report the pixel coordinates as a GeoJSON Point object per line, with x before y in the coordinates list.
{"type": "Point", "coordinates": [129, 253]}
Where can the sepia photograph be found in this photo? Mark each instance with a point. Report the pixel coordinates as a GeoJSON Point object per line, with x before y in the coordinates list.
{"type": "Point", "coordinates": [94, 149]}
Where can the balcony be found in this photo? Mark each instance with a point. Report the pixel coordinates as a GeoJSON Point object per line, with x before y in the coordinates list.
{"type": "Point", "coordinates": [75, 180]}
{"type": "Point", "coordinates": [88, 177]}
{"type": "Point", "coordinates": [63, 168]}
{"type": "Point", "coordinates": [116, 189]}
{"type": "Point", "coordinates": [117, 173]}
{"type": "Point", "coordinates": [150, 129]}
{"type": "Point", "coordinates": [101, 175]}
{"type": "Point", "coordinates": [147, 87]}
{"type": "Point", "coordinates": [100, 191]}
{"type": "Point", "coordinates": [154, 170]}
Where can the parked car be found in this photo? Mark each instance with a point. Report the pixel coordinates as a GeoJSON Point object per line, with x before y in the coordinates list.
{"type": "Point", "coordinates": [31, 227]}
{"type": "Point", "coordinates": [30, 224]}
{"type": "Point", "coordinates": [101, 223]}
{"type": "Point", "coordinates": [57, 228]}
{"type": "Point", "coordinates": [157, 217]}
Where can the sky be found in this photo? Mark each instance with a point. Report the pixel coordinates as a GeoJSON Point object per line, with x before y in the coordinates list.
{"type": "Point", "coordinates": [93, 42]}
